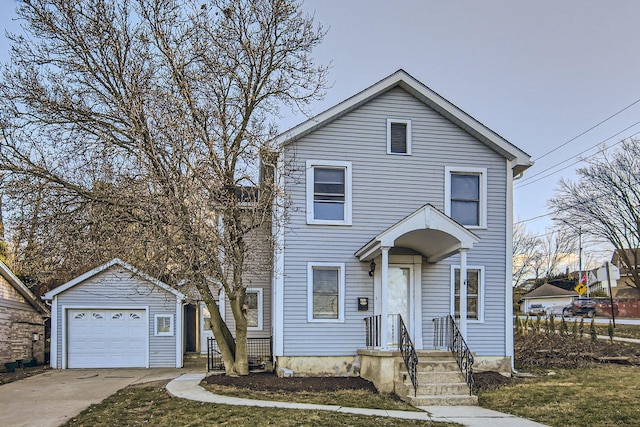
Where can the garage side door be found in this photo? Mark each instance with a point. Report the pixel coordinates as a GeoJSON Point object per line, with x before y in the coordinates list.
{"type": "Point", "coordinates": [107, 338]}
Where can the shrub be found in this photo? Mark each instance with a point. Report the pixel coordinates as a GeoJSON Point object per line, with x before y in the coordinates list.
{"type": "Point", "coordinates": [611, 331]}
{"type": "Point", "coordinates": [592, 329]}
{"type": "Point", "coordinates": [564, 328]}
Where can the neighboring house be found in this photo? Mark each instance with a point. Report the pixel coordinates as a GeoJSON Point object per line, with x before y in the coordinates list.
{"type": "Point", "coordinates": [401, 204]}
{"type": "Point", "coordinates": [547, 299]}
{"type": "Point", "coordinates": [22, 320]}
{"type": "Point", "coordinates": [625, 286]}
{"type": "Point", "coordinates": [116, 316]}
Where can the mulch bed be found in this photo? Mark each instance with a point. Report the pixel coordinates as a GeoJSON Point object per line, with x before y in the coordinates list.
{"type": "Point", "coordinates": [263, 381]}
{"type": "Point", "coordinates": [555, 351]}
{"type": "Point", "coordinates": [490, 380]}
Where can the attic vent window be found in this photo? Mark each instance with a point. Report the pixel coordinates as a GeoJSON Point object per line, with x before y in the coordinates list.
{"type": "Point", "coordinates": [398, 136]}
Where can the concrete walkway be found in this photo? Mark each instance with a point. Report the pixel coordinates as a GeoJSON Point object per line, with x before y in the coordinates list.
{"type": "Point", "coordinates": [188, 387]}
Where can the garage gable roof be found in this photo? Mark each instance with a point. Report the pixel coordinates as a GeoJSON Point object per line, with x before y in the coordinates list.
{"type": "Point", "coordinates": [547, 291]}
{"type": "Point", "coordinates": [116, 261]}
{"type": "Point", "coordinates": [520, 160]}
{"type": "Point", "coordinates": [22, 289]}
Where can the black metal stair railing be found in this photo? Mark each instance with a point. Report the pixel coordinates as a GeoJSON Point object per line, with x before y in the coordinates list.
{"type": "Point", "coordinates": [398, 335]}
{"type": "Point", "coordinates": [447, 334]}
{"type": "Point", "coordinates": [373, 326]}
{"type": "Point", "coordinates": [408, 351]}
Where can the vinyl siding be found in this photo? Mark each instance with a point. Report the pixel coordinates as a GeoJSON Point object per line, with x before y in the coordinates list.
{"type": "Point", "coordinates": [118, 287]}
{"type": "Point", "coordinates": [256, 275]}
{"type": "Point", "coordinates": [385, 189]}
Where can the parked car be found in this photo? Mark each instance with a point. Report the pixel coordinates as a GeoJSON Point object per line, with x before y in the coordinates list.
{"type": "Point", "coordinates": [581, 307]}
{"type": "Point", "coordinates": [536, 309]}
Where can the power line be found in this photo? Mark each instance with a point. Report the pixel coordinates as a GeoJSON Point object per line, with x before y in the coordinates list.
{"type": "Point", "coordinates": [589, 130]}
{"type": "Point", "coordinates": [527, 181]}
{"type": "Point", "coordinates": [589, 200]}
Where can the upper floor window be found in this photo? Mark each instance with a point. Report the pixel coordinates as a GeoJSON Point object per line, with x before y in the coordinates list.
{"type": "Point", "coordinates": [328, 192]}
{"type": "Point", "coordinates": [465, 196]}
{"type": "Point", "coordinates": [398, 136]}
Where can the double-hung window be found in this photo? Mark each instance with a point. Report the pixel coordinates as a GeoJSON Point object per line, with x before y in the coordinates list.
{"type": "Point", "coordinates": [328, 192]}
{"type": "Point", "coordinates": [475, 292]}
{"type": "Point", "coordinates": [466, 196]}
{"type": "Point", "coordinates": [398, 136]}
{"type": "Point", "coordinates": [325, 292]}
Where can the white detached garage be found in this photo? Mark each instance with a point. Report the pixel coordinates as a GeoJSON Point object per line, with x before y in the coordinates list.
{"type": "Point", "coordinates": [115, 316]}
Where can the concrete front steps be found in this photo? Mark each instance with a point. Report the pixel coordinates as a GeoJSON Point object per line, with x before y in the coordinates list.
{"type": "Point", "coordinates": [195, 361]}
{"type": "Point", "coordinates": [440, 382]}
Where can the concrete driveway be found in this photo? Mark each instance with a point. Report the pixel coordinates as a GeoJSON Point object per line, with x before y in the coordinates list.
{"type": "Point", "coordinates": [52, 398]}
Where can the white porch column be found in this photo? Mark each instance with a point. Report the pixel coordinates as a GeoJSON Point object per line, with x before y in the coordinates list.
{"type": "Point", "coordinates": [384, 294]}
{"type": "Point", "coordinates": [463, 293]}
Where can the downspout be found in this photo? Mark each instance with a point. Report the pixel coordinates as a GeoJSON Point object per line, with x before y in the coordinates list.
{"type": "Point", "coordinates": [509, 351]}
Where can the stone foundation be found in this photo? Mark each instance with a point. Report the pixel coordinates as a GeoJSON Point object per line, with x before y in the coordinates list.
{"type": "Point", "coordinates": [379, 368]}
{"type": "Point", "coordinates": [318, 366]}
{"type": "Point", "coordinates": [492, 363]}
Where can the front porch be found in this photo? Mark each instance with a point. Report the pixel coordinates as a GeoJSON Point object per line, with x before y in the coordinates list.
{"type": "Point", "coordinates": [443, 376]}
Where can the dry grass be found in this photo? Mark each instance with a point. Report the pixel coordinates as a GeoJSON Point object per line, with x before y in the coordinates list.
{"type": "Point", "coordinates": [349, 398]}
{"type": "Point", "coordinates": [607, 395]}
{"type": "Point", "coordinates": [622, 331]}
{"type": "Point", "coordinates": [151, 405]}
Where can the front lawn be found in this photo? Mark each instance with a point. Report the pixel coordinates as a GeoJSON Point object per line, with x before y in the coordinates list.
{"type": "Point", "coordinates": [150, 404]}
{"type": "Point", "coordinates": [605, 395]}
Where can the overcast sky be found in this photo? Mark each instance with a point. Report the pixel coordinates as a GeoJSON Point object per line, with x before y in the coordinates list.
{"type": "Point", "coordinates": [539, 72]}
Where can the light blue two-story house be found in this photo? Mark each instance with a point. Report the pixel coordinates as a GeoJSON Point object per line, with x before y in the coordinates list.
{"type": "Point", "coordinates": [400, 208]}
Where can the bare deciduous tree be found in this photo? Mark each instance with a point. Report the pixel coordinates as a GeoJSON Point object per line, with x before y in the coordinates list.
{"type": "Point", "coordinates": [526, 247]}
{"type": "Point", "coordinates": [152, 119]}
{"type": "Point", "coordinates": [605, 202]}
{"type": "Point", "coordinates": [536, 256]}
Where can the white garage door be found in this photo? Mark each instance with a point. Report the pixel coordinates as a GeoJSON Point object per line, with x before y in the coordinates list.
{"type": "Point", "coordinates": [107, 338]}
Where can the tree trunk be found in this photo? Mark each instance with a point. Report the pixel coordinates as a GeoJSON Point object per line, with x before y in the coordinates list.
{"type": "Point", "coordinates": [241, 363]}
{"type": "Point", "coordinates": [221, 332]}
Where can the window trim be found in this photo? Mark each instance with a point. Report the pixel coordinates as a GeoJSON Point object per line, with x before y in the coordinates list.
{"type": "Point", "coordinates": [481, 287]}
{"type": "Point", "coordinates": [482, 173]}
{"type": "Point", "coordinates": [402, 121]}
{"type": "Point", "coordinates": [260, 326]}
{"type": "Point", "coordinates": [156, 332]}
{"type": "Point", "coordinates": [310, 166]}
{"type": "Point", "coordinates": [341, 291]}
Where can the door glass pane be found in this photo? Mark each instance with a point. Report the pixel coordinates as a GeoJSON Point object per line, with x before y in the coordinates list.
{"type": "Point", "coordinates": [399, 279]}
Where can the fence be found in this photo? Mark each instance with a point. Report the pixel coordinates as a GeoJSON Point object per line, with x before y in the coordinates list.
{"type": "Point", "coordinates": [259, 351]}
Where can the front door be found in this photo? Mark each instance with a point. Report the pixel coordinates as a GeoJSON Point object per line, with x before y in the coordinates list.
{"type": "Point", "coordinates": [399, 301]}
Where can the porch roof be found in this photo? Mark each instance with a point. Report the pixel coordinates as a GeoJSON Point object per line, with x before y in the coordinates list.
{"type": "Point", "coordinates": [427, 231]}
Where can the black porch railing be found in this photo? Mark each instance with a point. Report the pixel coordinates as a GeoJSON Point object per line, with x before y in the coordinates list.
{"type": "Point", "coordinates": [259, 351]}
{"type": "Point", "coordinates": [447, 334]}
{"type": "Point", "coordinates": [373, 328]}
{"type": "Point", "coordinates": [408, 351]}
{"type": "Point", "coordinates": [398, 336]}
